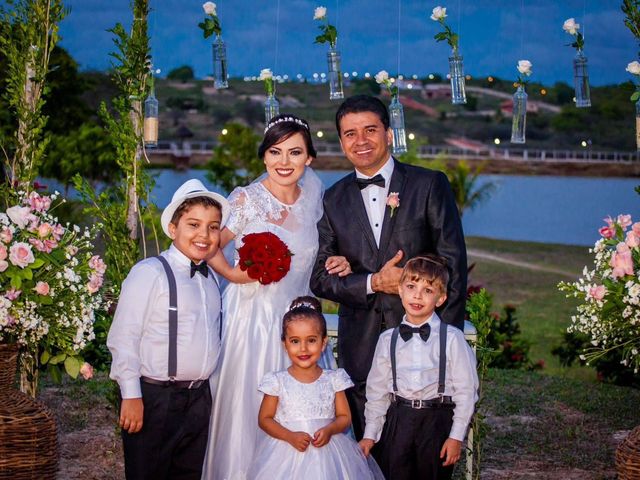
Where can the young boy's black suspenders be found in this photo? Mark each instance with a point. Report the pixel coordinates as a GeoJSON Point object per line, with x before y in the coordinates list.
{"type": "Point", "coordinates": [173, 319]}
{"type": "Point", "coordinates": [442, 400]}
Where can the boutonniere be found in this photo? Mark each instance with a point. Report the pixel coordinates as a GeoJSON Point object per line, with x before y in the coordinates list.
{"type": "Point", "coordinates": [393, 202]}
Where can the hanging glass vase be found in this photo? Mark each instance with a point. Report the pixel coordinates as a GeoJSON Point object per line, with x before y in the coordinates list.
{"type": "Point", "coordinates": [271, 108]}
{"type": "Point", "coordinates": [456, 72]}
{"type": "Point", "coordinates": [581, 80]}
{"type": "Point", "coordinates": [396, 120]}
{"type": "Point", "coordinates": [638, 125]}
{"type": "Point", "coordinates": [519, 116]}
{"type": "Point", "coordinates": [220, 79]}
{"type": "Point", "coordinates": [151, 120]}
{"type": "Point", "coordinates": [335, 74]}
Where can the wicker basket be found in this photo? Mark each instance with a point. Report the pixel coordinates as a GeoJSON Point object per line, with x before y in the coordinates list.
{"type": "Point", "coordinates": [28, 437]}
{"type": "Point", "coordinates": [628, 456]}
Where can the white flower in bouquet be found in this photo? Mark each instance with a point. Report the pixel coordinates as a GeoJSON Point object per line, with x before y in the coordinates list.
{"type": "Point", "coordinates": [609, 314]}
{"type": "Point", "coordinates": [49, 283]}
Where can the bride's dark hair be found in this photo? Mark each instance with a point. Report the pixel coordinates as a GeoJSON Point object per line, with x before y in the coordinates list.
{"type": "Point", "coordinates": [282, 127]}
{"type": "Point", "coordinates": [304, 307]}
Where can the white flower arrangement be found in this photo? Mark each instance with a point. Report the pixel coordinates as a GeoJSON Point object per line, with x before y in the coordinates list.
{"type": "Point", "coordinates": [49, 283]}
{"type": "Point", "coordinates": [610, 292]}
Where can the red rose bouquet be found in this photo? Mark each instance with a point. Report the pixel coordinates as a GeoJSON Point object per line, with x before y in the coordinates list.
{"type": "Point", "coordinates": [264, 257]}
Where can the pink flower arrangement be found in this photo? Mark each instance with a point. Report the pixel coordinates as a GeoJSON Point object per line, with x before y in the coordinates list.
{"type": "Point", "coordinates": [50, 283]}
{"type": "Point", "coordinates": [610, 292]}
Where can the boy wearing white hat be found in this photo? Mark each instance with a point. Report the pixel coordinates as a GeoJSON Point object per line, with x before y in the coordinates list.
{"type": "Point", "coordinates": [165, 342]}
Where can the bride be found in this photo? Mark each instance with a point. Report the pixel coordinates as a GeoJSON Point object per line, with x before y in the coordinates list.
{"type": "Point", "coordinates": [286, 201]}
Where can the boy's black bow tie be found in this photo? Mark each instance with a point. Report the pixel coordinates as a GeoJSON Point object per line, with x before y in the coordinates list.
{"type": "Point", "coordinates": [365, 182]}
{"type": "Point", "coordinates": [406, 332]}
{"type": "Point", "coordinates": [201, 267]}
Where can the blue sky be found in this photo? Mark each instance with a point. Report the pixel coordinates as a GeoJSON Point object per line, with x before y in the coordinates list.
{"type": "Point", "coordinates": [494, 35]}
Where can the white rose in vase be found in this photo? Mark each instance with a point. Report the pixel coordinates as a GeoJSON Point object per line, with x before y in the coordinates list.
{"type": "Point", "coordinates": [209, 8]}
{"type": "Point", "coordinates": [382, 76]}
{"type": "Point", "coordinates": [524, 67]}
{"type": "Point", "coordinates": [438, 13]}
{"type": "Point", "coordinates": [633, 68]}
{"type": "Point", "coordinates": [319, 13]}
{"type": "Point", "coordinates": [570, 26]}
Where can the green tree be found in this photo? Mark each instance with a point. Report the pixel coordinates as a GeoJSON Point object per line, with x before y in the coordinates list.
{"type": "Point", "coordinates": [86, 150]}
{"type": "Point", "coordinates": [235, 160]}
{"type": "Point", "coordinates": [464, 183]}
{"type": "Point", "coordinates": [183, 74]}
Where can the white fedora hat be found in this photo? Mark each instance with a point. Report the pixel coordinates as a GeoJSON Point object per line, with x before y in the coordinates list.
{"type": "Point", "coordinates": [190, 189]}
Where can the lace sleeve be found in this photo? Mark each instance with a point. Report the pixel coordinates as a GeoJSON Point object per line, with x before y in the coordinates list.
{"type": "Point", "coordinates": [340, 380]}
{"type": "Point", "coordinates": [239, 216]}
{"type": "Point", "coordinates": [270, 384]}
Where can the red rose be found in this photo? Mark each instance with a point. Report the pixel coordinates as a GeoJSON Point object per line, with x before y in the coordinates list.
{"type": "Point", "coordinates": [255, 271]}
{"type": "Point", "coordinates": [265, 257]}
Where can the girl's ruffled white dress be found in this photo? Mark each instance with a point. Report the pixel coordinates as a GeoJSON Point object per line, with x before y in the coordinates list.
{"type": "Point", "coordinates": [308, 407]}
{"type": "Point", "coordinates": [252, 321]}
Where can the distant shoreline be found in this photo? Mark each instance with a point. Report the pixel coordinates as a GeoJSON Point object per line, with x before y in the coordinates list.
{"type": "Point", "coordinates": [503, 167]}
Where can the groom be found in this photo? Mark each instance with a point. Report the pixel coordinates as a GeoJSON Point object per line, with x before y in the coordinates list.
{"type": "Point", "coordinates": [378, 232]}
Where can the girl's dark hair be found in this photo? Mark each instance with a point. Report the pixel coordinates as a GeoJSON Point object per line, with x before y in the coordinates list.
{"type": "Point", "coordinates": [304, 307]}
{"type": "Point", "coordinates": [282, 127]}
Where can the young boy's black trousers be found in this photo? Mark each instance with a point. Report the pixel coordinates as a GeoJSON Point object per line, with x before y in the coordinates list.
{"type": "Point", "coordinates": [173, 439]}
{"type": "Point", "coordinates": [411, 440]}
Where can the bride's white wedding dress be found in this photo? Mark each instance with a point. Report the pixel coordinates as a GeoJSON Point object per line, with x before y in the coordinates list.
{"type": "Point", "coordinates": [252, 322]}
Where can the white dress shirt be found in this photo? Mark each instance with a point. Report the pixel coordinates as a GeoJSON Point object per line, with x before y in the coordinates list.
{"type": "Point", "coordinates": [417, 369]}
{"type": "Point", "coordinates": [375, 203]}
{"type": "Point", "coordinates": [139, 336]}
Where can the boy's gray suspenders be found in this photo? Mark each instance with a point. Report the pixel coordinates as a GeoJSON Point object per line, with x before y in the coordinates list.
{"type": "Point", "coordinates": [173, 319]}
{"type": "Point", "coordinates": [442, 367]}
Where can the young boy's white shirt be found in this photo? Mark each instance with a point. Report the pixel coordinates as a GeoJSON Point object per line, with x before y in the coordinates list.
{"type": "Point", "coordinates": [139, 336]}
{"type": "Point", "coordinates": [417, 366]}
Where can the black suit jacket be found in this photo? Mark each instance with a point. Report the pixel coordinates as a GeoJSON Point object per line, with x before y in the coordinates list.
{"type": "Point", "coordinates": [426, 221]}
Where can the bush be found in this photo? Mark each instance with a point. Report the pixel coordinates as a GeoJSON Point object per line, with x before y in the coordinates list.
{"type": "Point", "coordinates": [608, 367]}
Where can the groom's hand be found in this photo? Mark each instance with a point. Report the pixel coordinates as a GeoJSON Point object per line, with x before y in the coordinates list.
{"type": "Point", "coordinates": [388, 278]}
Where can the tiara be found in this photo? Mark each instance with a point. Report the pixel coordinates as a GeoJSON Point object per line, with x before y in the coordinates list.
{"type": "Point", "coordinates": [303, 304]}
{"type": "Point", "coordinates": [286, 119]}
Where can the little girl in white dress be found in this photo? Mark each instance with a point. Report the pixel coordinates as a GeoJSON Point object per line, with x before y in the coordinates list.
{"type": "Point", "coordinates": [305, 412]}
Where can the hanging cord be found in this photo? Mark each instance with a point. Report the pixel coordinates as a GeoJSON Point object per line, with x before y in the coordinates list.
{"type": "Point", "coordinates": [459, 32]}
{"type": "Point", "coordinates": [584, 19]}
{"type": "Point", "coordinates": [399, 17]}
{"type": "Point", "coordinates": [275, 62]}
{"type": "Point", "coordinates": [521, 29]}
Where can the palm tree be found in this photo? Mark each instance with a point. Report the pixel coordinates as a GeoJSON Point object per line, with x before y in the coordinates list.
{"type": "Point", "coordinates": [464, 183]}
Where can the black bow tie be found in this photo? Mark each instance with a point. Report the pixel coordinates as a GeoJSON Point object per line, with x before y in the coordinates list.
{"type": "Point", "coordinates": [406, 332]}
{"type": "Point", "coordinates": [365, 182]}
{"type": "Point", "coordinates": [201, 267]}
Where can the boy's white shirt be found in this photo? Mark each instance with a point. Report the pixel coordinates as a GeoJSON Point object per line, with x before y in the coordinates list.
{"type": "Point", "coordinates": [417, 364]}
{"type": "Point", "coordinates": [139, 335]}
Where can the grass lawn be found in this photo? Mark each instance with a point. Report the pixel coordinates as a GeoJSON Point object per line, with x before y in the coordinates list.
{"type": "Point", "coordinates": [542, 311]}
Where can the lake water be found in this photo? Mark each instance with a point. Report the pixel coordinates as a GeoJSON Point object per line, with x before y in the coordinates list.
{"type": "Point", "coordinates": [566, 210]}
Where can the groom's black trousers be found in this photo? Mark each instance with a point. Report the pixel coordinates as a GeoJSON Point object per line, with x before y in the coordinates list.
{"type": "Point", "coordinates": [173, 439]}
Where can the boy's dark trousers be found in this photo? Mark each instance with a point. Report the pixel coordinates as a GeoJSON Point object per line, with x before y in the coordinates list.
{"type": "Point", "coordinates": [410, 444]}
{"type": "Point", "coordinates": [173, 439]}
